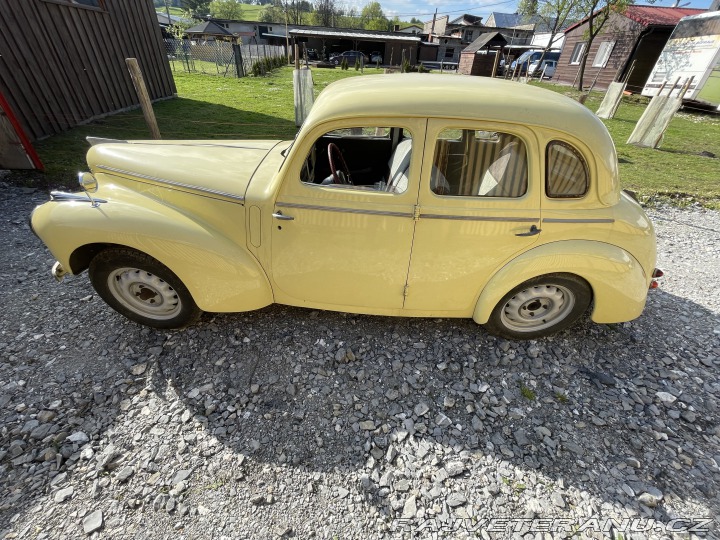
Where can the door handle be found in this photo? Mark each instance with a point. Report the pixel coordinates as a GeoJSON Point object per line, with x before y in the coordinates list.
{"type": "Point", "coordinates": [532, 232]}
{"type": "Point", "coordinates": [279, 215]}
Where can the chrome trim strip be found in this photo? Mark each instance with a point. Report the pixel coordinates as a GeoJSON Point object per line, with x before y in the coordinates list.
{"type": "Point", "coordinates": [173, 183]}
{"type": "Point", "coordinates": [579, 220]}
{"type": "Point", "coordinates": [481, 218]}
{"type": "Point", "coordinates": [61, 196]}
{"type": "Point", "coordinates": [345, 210]}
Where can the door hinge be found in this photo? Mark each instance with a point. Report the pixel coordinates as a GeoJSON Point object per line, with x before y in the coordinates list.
{"type": "Point", "coordinates": [416, 212]}
{"type": "Point", "coordinates": [405, 291]}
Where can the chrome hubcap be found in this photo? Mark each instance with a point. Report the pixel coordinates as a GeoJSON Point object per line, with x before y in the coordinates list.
{"type": "Point", "coordinates": [144, 293]}
{"type": "Point", "coordinates": [537, 308]}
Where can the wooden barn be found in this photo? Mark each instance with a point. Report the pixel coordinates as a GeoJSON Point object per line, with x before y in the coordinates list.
{"type": "Point", "coordinates": [62, 63]}
{"type": "Point", "coordinates": [634, 39]}
{"type": "Point", "coordinates": [478, 58]}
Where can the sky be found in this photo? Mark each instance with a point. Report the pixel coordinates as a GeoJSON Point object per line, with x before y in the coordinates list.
{"type": "Point", "coordinates": [424, 9]}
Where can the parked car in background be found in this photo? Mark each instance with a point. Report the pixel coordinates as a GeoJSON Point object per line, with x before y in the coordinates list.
{"type": "Point", "coordinates": [546, 69]}
{"type": "Point", "coordinates": [394, 199]}
{"type": "Point", "coordinates": [350, 56]}
{"type": "Point", "coordinates": [376, 57]}
{"type": "Point", "coordinates": [520, 65]}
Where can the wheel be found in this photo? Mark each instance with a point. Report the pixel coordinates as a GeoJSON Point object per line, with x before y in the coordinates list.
{"type": "Point", "coordinates": [142, 289]}
{"type": "Point", "coordinates": [338, 167]}
{"type": "Point", "coordinates": [541, 306]}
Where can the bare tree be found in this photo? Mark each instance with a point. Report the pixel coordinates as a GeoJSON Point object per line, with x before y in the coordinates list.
{"type": "Point", "coordinates": [552, 15]}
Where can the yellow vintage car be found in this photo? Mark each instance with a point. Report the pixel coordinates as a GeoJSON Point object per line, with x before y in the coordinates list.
{"type": "Point", "coordinates": [404, 195]}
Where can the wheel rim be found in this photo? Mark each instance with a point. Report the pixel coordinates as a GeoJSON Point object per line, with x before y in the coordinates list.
{"type": "Point", "coordinates": [144, 293]}
{"type": "Point", "coordinates": [537, 308]}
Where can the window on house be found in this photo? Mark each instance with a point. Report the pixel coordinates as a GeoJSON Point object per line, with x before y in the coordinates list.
{"type": "Point", "coordinates": [567, 173]}
{"type": "Point", "coordinates": [468, 35]}
{"type": "Point", "coordinates": [577, 53]}
{"type": "Point", "coordinates": [476, 163]}
{"type": "Point", "coordinates": [450, 53]}
{"type": "Point", "coordinates": [603, 54]}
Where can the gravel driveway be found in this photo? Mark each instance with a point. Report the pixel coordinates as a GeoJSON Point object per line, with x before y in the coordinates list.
{"type": "Point", "coordinates": [297, 423]}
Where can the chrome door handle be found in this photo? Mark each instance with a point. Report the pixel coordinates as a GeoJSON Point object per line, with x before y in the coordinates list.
{"type": "Point", "coordinates": [279, 215]}
{"type": "Point", "coordinates": [532, 232]}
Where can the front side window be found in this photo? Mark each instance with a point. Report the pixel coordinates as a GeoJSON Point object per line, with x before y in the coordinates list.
{"type": "Point", "coordinates": [567, 173]}
{"type": "Point", "coordinates": [475, 163]}
{"type": "Point", "coordinates": [361, 158]}
{"type": "Point", "coordinates": [577, 53]}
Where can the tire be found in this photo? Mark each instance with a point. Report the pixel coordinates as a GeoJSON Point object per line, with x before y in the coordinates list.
{"type": "Point", "coordinates": [142, 289]}
{"type": "Point", "coordinates": [540, 307]}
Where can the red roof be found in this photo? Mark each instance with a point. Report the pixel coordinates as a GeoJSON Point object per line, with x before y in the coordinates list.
{"type": "Point", "coordinates": [656, 15]}
{"type": "Point", "coordinates": [652, 15]}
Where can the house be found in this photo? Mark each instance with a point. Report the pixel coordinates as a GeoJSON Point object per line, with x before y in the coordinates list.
{"type": "Point", "coordinates": [628, 46]}
{"type": "Point", "coordinates": [62, 63]}
{"type": "Point", "coordinates": [478, 58]}
{"type": "Point", "coordinates": [209, 31]}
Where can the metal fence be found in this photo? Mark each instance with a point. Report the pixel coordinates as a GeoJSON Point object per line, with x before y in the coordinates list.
{"type": "Point", "coordinates": [223, 58]}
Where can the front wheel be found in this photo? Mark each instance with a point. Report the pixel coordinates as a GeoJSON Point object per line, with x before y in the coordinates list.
{"type": "Point", "coordinates": [142, 289]}
{"type": "Point", "coordinates": [541, 306]}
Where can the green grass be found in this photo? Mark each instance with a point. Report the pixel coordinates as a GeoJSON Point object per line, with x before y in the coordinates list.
{"type": "Point", "coordinates": [211, 107]}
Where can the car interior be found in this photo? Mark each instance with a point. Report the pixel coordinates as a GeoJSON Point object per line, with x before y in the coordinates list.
{"type": "Point", "coordinates": [466, 162]}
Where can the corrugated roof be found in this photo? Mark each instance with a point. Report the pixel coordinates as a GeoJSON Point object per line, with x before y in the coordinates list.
{"type": "Point", "coordinates": [209, 28]}
{"type": "Point", "coordinates": [485, 39]}
{"type": "Point", "coordinates": [652, 15]}
{"type": "Point", "coordinates": [354, 34]}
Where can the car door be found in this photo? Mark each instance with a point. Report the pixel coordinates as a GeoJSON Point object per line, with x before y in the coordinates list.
{"type": "Point", "coordinates": [344, 247]}
{"type": "Point", "coordinates": [478, 207]}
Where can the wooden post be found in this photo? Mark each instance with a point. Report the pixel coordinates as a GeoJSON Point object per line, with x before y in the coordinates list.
{"type": "Point", "coordinates": [495, 64]}
{"type": "Point", "coordinates": [297, 57]}
{"type": "Point", "coordinates": [143, 96]}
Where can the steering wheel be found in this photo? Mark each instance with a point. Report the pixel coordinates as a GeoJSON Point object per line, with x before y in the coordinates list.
{"type": "Point", "coordinates": [341, 175]}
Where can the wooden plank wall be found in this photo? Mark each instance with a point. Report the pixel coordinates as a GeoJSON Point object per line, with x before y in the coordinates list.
{"type": "Point", "coordinates": [620, 29]}
{"type": "Point", "coordinates": [63, 64]}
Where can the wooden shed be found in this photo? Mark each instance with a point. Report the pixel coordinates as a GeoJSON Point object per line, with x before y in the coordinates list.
{"type": "Point", "coordinates": [478, 58]}
{"type": "Point", "coordinates": [634, 39]}
{"type": "Point", "coordinates": [62, 63]}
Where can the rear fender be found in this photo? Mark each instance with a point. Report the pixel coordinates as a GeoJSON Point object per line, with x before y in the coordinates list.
{"type": "Point", "coordinates": [618, 282]}
{"type": "Point", "coordinates": [221, 275]}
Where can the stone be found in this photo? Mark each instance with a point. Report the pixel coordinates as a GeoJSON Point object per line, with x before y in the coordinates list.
{"type": "Point", "coordinates": [93, 522]}
{"type": "Point", "coordinates": [421, 409]}
{"type": "Point", "coordinates": [409, 508]}
{"type": "Point", "coordinates": [180, 476]}
{"type": "Point", "coordinates": [63, 495]}
{"type": "Point", "coordinates": [455, 499]}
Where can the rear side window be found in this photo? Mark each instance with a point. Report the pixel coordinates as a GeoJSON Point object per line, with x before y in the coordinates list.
{"type": "Point", "coordinates": [567, 173]}
{"type": "Point", "coordinates": [475, 163]}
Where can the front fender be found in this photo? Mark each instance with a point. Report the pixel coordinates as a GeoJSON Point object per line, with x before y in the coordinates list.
{"type": "Point", "coordinates": [221, 275]}
{"type": "Point", "coordinates": [618, 281]}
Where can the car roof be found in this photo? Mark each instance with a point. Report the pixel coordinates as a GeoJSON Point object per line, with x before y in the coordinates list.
{"type": "Point", "coordinates": [453, 96]}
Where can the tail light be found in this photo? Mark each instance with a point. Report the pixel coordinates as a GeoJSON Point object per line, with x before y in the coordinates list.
{"type": "Point", "coordinates": [657, 274]}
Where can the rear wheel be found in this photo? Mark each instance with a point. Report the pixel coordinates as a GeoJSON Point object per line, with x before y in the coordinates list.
{"type": "Point", "coordinates": [541, 306]}
{"type": "Point", "coordinates": [142, 289]}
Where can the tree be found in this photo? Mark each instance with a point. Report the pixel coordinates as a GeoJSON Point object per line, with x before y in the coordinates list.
{"type": "Point", "coordinates": [272, 13]}
{"type": "Point", "coordinates": [325, 13]}
{"type": "Point", "coordinates": [554, 15]}
{"type": "Point", "coordinates": [373, 18]}
{"type": "Point", "coordinates": [597, 13]}
{"type": "Point", "coordinates": [226, 9]}
{"type": "Point", "coordinates": [196, 7]}
{"type": "Point", "coordinates": [415, 21]}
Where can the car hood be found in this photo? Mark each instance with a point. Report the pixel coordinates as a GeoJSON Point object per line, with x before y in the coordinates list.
{"type": "Point", "coordinates": [220, 167]}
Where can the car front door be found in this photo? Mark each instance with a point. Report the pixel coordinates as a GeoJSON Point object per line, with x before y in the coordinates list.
{"type": "Point", "coordinates": [479, 206]}
{"type": "Point", "coordinates": [341, 246]}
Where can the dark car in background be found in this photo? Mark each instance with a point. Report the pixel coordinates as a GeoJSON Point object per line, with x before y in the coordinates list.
{"type": "Point", "coordinates": [350, 56]}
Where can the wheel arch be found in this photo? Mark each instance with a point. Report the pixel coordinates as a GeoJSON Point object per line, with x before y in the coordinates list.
{"type": "Point", "coordinates": [618, 283]}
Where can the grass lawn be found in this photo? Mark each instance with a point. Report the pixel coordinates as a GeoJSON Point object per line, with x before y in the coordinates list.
{"type": "Point", "coordinates": [211, 107]}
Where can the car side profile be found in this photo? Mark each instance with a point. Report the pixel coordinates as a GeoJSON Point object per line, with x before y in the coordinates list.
{"type": "Point", "coordinates": [350, 56]}
{"type": "Point", "coordinates": [408, 195]}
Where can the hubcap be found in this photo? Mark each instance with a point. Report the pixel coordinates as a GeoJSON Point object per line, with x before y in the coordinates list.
{"type": "Point", "coordinates": [537, 308]}
{"type": "Point", "coordinates": [144, 293]}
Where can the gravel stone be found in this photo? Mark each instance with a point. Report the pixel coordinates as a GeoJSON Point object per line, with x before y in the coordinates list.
{"type": "Point", "coordinates": [93, 522]}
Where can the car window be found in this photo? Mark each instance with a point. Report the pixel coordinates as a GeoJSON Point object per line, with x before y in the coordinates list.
{"type": "Point", "coordinates": [361, 158]}
{"type": "Point", "coordinates": [476, 163]}
{"type": "Point", "coordinates": [567, 173]}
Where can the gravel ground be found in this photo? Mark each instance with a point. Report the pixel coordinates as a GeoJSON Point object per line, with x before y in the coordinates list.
{"type": "Point", "coordinates": [297, 423]}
